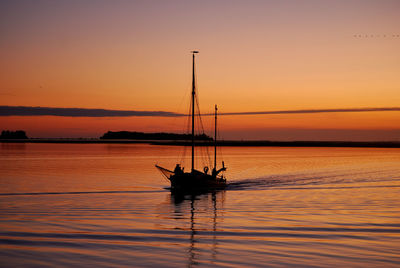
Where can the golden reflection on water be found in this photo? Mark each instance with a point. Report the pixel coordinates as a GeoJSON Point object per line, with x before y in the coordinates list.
{"type": "Point", "coordinates": [199, 204]}
{"type": "Point", "coordinates": [68, 204]}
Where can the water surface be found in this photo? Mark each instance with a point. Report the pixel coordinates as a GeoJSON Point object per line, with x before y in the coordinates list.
{"type": "Point", "coordinates": [106, 205]}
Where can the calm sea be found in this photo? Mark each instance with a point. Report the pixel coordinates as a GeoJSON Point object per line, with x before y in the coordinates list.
{"type": "Point", "coordinates": [106, 205]}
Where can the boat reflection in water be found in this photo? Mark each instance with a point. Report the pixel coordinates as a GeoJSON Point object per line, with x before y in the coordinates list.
{"type": "Point", "coordinates": [200, 214]}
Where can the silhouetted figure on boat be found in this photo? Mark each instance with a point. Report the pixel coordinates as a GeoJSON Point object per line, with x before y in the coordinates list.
{"type": "Point", "coordinates": [178, 169]}
{"type": "Point", "coordinates": [215, 172]}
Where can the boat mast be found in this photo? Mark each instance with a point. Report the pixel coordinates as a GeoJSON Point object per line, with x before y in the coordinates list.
{"type": "Point", "coordinates": [193, 104]}
{"type": "Point", "coordinates": [215, 138]}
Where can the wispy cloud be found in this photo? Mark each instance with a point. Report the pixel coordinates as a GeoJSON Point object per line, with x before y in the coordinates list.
{"type": "Point", "coordinates": [77, 112]}
{"type": "Point", "coordinates": [84, 112]}
{"type": "Point", "coordinates": [314, 111]}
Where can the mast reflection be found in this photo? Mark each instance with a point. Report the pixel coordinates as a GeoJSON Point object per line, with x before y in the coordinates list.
{"type": "Point", "coordinates": [204, 219]}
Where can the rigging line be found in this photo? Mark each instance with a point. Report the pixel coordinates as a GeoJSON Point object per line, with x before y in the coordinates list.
{"type": "Point", "coordinates": [199, 157]}
{"type": "Point", "coordinates": [180, 105]}
{"type": "Point", "coordinates": [184, 130]}
{"type": "Point", "coordinates": [200, 150]}
{"type": "Point", "coordinates": [205, 150]}
{"type": "Point", "coordinates": [219, 149]}
{"type": "Point", "coordinates": [198, 132]}
{"type": "Point", "coordinates": [181, 155]}
{"type": "Point", "coordinates": [199, 122]}
{"type": "Point", "coordinates": [187, 125]}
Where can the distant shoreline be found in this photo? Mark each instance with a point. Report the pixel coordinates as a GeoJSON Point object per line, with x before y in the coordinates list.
{"type": "Point", "coordinates": [235, 143]}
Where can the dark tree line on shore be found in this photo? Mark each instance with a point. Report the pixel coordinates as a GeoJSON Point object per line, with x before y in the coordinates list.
{"type": "Point", "coordinates": [152, 136]}
{"type": "Point", "coordinates": [8, 134]}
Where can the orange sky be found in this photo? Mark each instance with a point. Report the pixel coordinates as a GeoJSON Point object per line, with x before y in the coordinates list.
{"type": "Point", "coordinates": [254, 56]}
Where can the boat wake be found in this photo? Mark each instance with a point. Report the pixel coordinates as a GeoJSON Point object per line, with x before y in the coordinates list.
{"type": "Point", "coordinates": [326, 179]}
{"type": "Point", "coordinates": [315, 180]}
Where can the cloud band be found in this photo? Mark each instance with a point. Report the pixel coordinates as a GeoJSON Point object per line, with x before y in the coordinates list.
{"type": "Point", "coordinates": [85, 112]}
{"type": "Point", "coordinates": [77, 112]}
{"type": "Point", "coordinates": [314, 111]}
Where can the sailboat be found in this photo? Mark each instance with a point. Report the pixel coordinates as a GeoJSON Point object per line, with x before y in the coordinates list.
{"type": "Point", "coordinates": [195, 179]}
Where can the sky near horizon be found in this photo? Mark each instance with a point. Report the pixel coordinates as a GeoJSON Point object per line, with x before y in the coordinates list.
{"type": "Point", "coordinates": [254, 56]}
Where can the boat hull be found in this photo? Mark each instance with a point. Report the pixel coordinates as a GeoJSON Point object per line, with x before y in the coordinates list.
{"type": "Point", "coordinates": [196, 181]}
